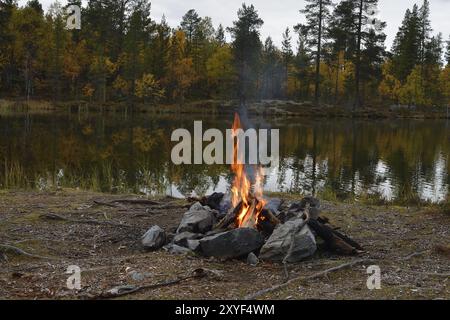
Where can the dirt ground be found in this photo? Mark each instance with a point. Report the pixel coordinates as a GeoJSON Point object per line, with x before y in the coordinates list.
{"type": "Point", "coordinates": [410, 245]}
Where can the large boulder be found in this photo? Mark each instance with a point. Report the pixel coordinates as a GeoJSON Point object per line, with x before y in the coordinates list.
{"type": "Point", "coordinates": [154, 239]}
{"type": "Point", "coordinates": [289, 241]}
{"type": "Point", "coordinates": [232, 244]}
{"type": "Point", "coordinates": [198, 219]}
{"type": "Point", "coordinates": [304, 246]}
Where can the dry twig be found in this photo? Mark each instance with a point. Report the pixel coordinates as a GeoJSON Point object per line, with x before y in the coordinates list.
{"type": "Point", "coordinates": [312, 277]}
{"type": "Point", "coordinates": [5, 248]}
{"type": "Point", "coordinates": [52, 216]}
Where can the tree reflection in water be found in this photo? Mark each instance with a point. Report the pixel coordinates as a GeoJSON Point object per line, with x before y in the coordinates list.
{"type": "Point", "coordinates": [396, 160]}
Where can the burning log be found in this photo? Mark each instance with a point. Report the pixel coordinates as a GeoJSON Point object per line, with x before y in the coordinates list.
{"type": "Point", "coordinates": [230, 218]}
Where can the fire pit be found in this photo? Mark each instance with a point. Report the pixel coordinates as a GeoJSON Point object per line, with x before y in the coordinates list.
{"type": "Point", "coordinates": [246, 224]}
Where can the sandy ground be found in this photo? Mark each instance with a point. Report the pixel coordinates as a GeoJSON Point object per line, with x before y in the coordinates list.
{"type": "Point", "coordinates": [410, 245]}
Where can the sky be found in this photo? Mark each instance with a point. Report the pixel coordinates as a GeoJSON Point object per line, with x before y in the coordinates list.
{"type": "Point", "coordinates": [278, 15]}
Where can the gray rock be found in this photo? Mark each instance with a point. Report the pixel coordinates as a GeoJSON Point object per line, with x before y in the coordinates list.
{"type": "Point", "coordinates": [252, 259]}
{"type": "Point", "coordinates": [198, 219]}
{"type": "Point", "coordinates": [232, 244]}
{"type": "Point", "coordinates": [278, 246]}
{"type": "Point", "coordinates": [137, 276]}
{"type": "Point", "coordinates": [304, 246]}
{"type": "Point", "coordinates": [181, 239]}
{"type": "Point", "coordinates": [225, 204]}
{"type": "Point", "coordinates": [273, 205]}
{"type": "Point", "coordinates": [154, 239]}
{"type": "Point", "coordinates": [174, 249]}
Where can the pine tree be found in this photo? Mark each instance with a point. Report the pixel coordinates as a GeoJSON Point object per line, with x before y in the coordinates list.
{"type": "Point", "coordinates": [317, 12]}
{"type": "Point", "coordinates": [341, 32]}
{"type": "Point", "coordinates": [246, 49]}
{"type": "Point", "coordinates": [364, 20]}
{"type": "Point", "coordinates": [189, 24]}
{"type": "Point", "coordinates": [286, 49]}
{"type": "Point", "coordinates": [341, 28]}
{"type": "Point", "coordinates": [425, 29]}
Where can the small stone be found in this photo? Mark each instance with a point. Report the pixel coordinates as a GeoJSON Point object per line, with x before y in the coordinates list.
{"type": "Point", "coordinates": [154, 239]}
{"type": "Point", "coordinates": [252, 259]}
{"type": "Point", "coordinates": [137, 276]}
{"type": "Point", "coordinates": [178, 250]}
{"type": "Point", "coordinates": [181, 239]}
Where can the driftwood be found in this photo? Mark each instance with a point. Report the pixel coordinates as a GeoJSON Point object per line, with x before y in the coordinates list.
{"type": "Point", "coordinates": [335, 241]}
{"type": "Point", "coordinates": [312, 277]}
{"type": "Point", "coordinates": [55, 217]}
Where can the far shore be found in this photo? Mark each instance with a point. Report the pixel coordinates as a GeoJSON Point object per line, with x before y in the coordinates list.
{"type": "Point", "coordinates": [272, 108]}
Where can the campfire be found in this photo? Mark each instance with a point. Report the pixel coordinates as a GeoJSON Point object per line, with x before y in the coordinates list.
{"type": "Point", "coordinates": [246, 224]}
{"type": "Point", "coordinates": [247, 196]}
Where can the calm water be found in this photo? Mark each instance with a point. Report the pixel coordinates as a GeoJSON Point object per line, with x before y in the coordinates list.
{"type": "Point", "coordinates": [401, 159]}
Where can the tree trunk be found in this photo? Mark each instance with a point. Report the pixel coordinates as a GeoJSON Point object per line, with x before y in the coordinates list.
{"type": "Point", "coordinates": [319, 47]}
{"type": "Point", "coordinates": [358, 57]}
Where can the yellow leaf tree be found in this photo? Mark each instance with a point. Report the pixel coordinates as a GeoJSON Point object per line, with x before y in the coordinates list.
{"type": "Point", "coordinates": [148, 89]}
{"type": "Point", "coordinates": [220, 71]}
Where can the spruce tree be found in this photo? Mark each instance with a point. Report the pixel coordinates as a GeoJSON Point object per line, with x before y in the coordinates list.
{"type": "Point", "coordinates": [447, 53]}
{"type": "Point", "coordinates": [220, 35]}
{"type": "Point", "coordinates": [406, 48]}
{"type": "Point", "coordinates": [246, 49]}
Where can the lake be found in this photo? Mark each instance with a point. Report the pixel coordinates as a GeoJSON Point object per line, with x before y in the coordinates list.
{"type": "Point", "coordinates": [402, 160]}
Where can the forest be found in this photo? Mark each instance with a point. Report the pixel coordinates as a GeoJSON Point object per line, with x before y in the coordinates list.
{"type": "Point", "coordinates": [122, 55]}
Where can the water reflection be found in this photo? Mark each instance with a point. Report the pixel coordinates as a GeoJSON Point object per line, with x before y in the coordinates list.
{"type": "Point", "coordinates": [401, 159]}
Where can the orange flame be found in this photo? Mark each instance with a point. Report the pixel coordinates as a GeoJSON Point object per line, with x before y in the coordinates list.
{"type": "Point", "coordinates": [252, 204]}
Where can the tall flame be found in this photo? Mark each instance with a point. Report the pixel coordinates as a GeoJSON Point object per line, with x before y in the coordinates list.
{"type": "Point", "coordinates": [252, 203]}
